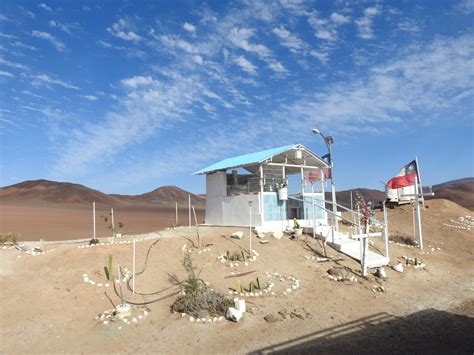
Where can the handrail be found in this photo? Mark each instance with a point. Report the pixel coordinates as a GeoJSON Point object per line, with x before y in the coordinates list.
{"type": "Point", "coordinates": [349, 210]}
{"type": "Point", "coordinates": [324, 208]}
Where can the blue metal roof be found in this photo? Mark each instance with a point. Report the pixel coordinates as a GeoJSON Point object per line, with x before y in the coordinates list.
{"type": "Point", "coordinates": [246, 159]}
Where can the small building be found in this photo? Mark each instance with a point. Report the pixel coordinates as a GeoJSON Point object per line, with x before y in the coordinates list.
{"type": "Point", "coordinates": [277, 185]}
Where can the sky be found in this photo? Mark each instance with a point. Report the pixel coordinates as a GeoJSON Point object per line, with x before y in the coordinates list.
{"type": "Point", "coordinates": [127, 96]}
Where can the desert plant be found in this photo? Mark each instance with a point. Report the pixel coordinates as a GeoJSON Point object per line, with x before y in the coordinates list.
{"type": "Point", "coordinates": [197, 299]}
{"type": "Point", "coordinates": [110, 268]}
{"type": "Point", "coordinates": [8, 238]}
{"type": "Point", "coordinates": [296, 224]}
{"type": "Point", "coordinates": [236, 255]}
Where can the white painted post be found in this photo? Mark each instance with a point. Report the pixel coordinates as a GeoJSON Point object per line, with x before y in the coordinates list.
{"type": "Point", "coordinates": [250, 228]}
{"type": "Point", "coordinates": [133, 266]}
{"type": "Point", "coordinates": [93, 217]}
{"type": "Point", "coordinates": [385, 228]}
{"type": "Point", "coordinates": [176, 214]}
{"type": "Point", "coordinates": [112, 221]}
{"type": "Point", "coordinates": [418, 214]}
{"type": "Point", "coordinates": [189, 207]}
{"type": "Point", "coordinates": [414, 221]}
{"type": "Point", "coordinates": [418, 173]}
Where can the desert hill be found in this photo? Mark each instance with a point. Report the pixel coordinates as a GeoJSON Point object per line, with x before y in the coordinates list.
{"type": "Point", "coordinates": [460, 191]}
{"type": "Point", "coordinates": [45, 192]}
{"type": "Point", "coordinates": [164, 195]}
{"type": "Point", "coordinates": [52, 192]}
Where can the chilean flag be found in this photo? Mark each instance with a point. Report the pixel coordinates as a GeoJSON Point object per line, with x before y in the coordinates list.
{"type": "Point", "coordinates": [406, 176]}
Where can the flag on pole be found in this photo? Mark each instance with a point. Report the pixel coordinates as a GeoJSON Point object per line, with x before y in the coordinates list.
{"type": "Point", "coordinates": [406, 176]}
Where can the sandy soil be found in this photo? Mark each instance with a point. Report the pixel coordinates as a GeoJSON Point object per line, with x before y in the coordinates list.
{"type": "Point", "coordinates": [67, 223]}
{"type": "Point", "coordinates": [46, 306]}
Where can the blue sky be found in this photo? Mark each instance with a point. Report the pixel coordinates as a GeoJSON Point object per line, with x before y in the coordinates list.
{"type": "Point", "coordinates": [128, 96]}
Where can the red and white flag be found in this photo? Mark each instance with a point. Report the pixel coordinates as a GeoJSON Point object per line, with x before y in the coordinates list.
{"type": "Point", "coordinates": [406, 176]}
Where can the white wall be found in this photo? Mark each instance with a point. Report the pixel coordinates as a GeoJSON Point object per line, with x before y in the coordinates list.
{"type": "Point", "coordinates": [223, 210]}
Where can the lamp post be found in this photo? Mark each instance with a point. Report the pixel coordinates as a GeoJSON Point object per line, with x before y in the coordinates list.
{"type": "Point", "coordinates": [328, 140]}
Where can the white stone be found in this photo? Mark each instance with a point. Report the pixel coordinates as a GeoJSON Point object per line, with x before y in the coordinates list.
{"type": "Point", "coordinates": [214, 319]}
{"type": "Point", "coordinates": [220, 318]}
{"type": "Point", "coordinates": [240, 305]}
{"type": "Point", "coordinates": [233, 314]}
{"type": "Point", "coordinates": [107, 285]}
{"type": "Point", "coordinates": [398, 267]}
{"type": "Point", "coordinates": [237, 235]}
{"type": "Point", "coordinates": [134, 320]}
{"type": "Point", "coordinates": [191, 319]}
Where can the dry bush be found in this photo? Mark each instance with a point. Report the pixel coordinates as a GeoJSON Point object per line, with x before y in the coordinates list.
{"type": "Point", "coordinates": [8, 238]}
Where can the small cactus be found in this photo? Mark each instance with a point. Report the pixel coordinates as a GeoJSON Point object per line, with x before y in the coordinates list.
{"type": "Point", "coordinates": [110, 268]}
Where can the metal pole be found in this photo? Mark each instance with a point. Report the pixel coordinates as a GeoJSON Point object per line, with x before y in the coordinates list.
{"type": "Point", "coordinates": [189, 208]}
{"type": "Point", "coordinates": [312, 212]}
{"type": "Point", "coordinates": [113, 221]}
{"type": "Point", "coordinates": [333, 188]}
{"type": "Point", "coordinates": [414, 222]}
{"type": "Point", "coordinates": [133, 267]}
{"type": "Point", "coordinates": [418, 214]}
{"type": "Point", "coordinates": [418, 173]}
{"type": "Point", "coordinates": [176, 214]}
{"type": "Point", "coordinates": [93, 217]}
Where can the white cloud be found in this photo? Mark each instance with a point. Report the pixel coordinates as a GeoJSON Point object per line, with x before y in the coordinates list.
{"type": "Point", "coordinates": [409, 25]}
{"type": "Point", "coordinates": [120, 30]}
{"type": "Point", "coordinates": [7, 36]}
{"type": "Point", "coordinates": [198, 59]}
{"type": "Point", "coordinates": [19, 44]}
{"type": "Point", "coordinates": [12, 64]}
{"type": "Point", "coordinates": [45, 7]}
{"type": "Point", "coordinates": [189, 27]}
{"type": "Point", "coordinates": [322, 56]}
{"type": "Point", "coordinates": [174, 42]}
{"type": "Point", "coordinates": [277, 67]}
{"type": "Point", "coordinates": [5, 73]}
{"type": "Point", "coordinates": [328, 35]}
{"type": "Point", "coordinates": [364, 23]}
{"type": "Point", "coordinates": [339, 19]}
{"type": "Point", "coordinates": [466, 6]}
{"type": "Point", "coordinates": [246, 65]}
{"type": "Point", "coordinates": [30, 14]}
{"type": "Point", "coordinates": [60, 47]}
{"type": "Point", "coordinates": [426, 83]}
{"type": "Point", "coordinates": [289, 40]}
{"type": "Point", "coordinates": [63, 27]}
{"type": "Point", "coordinates": [240, 38]}
{"type": "Point", "coordinates": [137, 81]}
{"type": "Point", "coordinates": [44, 79]}
{"type": "Point", "coordinates": [90, 97]}
{"type": "Point", "coordinates": [4, 18]}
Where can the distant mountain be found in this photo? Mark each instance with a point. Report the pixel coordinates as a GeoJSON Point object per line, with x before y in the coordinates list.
{"type": "Point", "coordinates": [460, 191]}
{"type": "Point", "coordinates": [45, 192]}
{"type": "Point", "coordinates": [164, 195]}
{"type": "Point", "coordinates": [344, 197]}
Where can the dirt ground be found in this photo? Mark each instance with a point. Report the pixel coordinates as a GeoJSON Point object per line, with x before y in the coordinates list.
{"type": "Point", "coordinates": [68, 223]}
{"type": "Point", "coordinates": [47, 307]}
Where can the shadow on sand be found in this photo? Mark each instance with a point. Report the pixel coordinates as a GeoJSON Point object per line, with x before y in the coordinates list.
{"type": "Point", "coordinates": [427, 332]}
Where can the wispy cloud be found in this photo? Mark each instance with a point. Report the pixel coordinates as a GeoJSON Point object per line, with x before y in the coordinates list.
{"type": "Point", "coordinates": [409, 25]}
{"type": "Point", "coordinates": [22, 45]}
{"type": "Point", "coordinates": [120, 29]}
{"type": "Point", "coordinates": [289, 40]}
{"type": "Point", "coordinates": [7, 74]}
{"type": "Point", "coordinates": [45, 7]}
{"type": "Point", "coordinates": [62, 26]}
{"type": "Point", "coordinates": [396, 94]}
{"type": "Point", "coordinates": [90, 97]}
{"type": "Point", "coordinates": [13, 64]}
{"type": "Point", "coordinates": [466, 6]}
{"type": "Point", "coordinates": [60, 47]}
{"type": "Point", "coordinates": [365, 23]}
{"type": "Point", "coordinates": [246, 65]}
{"type": "Point", "coordinates": [190, 28]}
{"type": "Point", "coordinates": [44, 79]}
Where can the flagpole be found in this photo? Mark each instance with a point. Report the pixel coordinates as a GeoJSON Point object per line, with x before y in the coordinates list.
{"type": "Point", "coordinates": [419, 181]}
{"type": "Point", "coordinates": [418, 214]}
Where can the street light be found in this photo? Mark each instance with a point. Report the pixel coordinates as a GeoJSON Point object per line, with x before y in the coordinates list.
{"type": "Point", "coordinates": [328, 140]}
